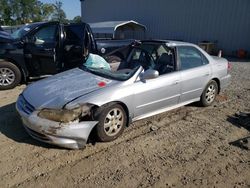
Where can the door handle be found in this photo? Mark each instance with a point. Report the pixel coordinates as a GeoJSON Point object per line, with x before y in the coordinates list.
{"type": "Point", "coordinates": [176, 82]}
{"type": "Point", "coordinates": [207, 74]}
{"type": "Point", "coordinates": [47, 49]}
{"type": "Point", "coordinates": [28, 55]}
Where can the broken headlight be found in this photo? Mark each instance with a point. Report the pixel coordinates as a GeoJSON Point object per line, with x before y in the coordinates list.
{"type": "Point", "coordinates": [64, 115]}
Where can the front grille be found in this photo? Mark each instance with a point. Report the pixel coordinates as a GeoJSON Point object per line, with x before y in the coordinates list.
{"type": "Point", "coordinates": [24, 105]}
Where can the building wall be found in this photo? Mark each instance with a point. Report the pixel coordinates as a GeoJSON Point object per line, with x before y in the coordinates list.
{"type": "Point", "coordinates": [226, 22]}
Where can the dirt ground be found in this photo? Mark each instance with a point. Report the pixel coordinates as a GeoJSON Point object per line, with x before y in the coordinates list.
{"type": "Point", "coordinates": [187, 147]}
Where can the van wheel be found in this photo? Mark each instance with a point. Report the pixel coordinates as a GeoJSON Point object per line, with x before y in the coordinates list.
{"type": "Point", "coordinates": [10, 75]}
{"type": "Point", "coordinates": [112, 121]}
{"type": "Point", "coordinates": [209, 94]}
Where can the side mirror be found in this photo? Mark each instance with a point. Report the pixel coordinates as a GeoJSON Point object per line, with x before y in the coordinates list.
{"type": "Point", "coordinates": [149, 74]}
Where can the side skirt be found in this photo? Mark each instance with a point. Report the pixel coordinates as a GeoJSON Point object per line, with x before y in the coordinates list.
{"type": "Point", "coordinates": [163, 110]}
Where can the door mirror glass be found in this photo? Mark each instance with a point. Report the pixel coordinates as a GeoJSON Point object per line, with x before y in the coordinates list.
{"type": "Point", "coordinates": [149, 74]}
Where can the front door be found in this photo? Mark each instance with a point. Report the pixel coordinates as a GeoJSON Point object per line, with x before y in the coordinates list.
{"type": "Point", "coordinates": [156, 94]}
{"type": "Point", "coordinates": [41, 50]}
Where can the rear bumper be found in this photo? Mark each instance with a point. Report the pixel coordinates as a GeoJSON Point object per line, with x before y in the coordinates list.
{"type": "Point", "coordinates": [225, 81]}
{"type": "Point", "coordinates": [72, 135]}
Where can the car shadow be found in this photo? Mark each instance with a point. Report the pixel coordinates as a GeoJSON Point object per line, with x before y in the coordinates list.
{"type": "Point", "coordinates": [241, 120]}
{"type": "Point", "coordinates": [11, 126]}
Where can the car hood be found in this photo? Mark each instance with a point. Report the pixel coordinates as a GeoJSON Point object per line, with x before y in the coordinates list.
{"type": "Point", "coordinates": [56, 91]}
{"type": "Point", "coordinates": [5, 37]}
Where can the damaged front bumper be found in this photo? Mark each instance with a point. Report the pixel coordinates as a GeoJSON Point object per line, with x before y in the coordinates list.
{"type": "Point", "coordinates": [73, 135]}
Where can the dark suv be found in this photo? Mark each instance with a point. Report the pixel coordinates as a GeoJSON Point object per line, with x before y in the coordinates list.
{"type": "Point", "coordinates": [41, 49]}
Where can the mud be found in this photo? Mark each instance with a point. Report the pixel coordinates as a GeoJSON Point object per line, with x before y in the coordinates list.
{"type": "Point", "coordinates": [187, 147]}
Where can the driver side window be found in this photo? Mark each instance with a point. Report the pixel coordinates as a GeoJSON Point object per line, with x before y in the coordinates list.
{"type": "Point", "coordinates": [46, 34]}
{"type": "Point", "coordinates": [136, 54]}
{"type": "Point", "coordinates": [140, 57]}
{"type": "Point", "coordinates": [165, 62]}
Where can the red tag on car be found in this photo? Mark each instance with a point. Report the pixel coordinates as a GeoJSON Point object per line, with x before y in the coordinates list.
{"type": "Point", "coordinates": [101, 84]}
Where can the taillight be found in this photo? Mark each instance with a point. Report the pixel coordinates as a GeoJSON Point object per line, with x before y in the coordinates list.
{"type": "Point", "coordinates": [229, 67]}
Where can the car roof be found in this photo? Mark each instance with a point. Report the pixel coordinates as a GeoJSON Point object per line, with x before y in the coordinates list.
{"type": "Point", "coordinates": [168, 42]}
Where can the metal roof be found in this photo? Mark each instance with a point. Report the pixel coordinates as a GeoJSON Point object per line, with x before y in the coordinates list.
{"type": "Point", "coordinates": [110, 27]}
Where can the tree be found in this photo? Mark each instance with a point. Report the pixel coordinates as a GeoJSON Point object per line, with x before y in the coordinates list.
{"type": "Point", "coordinates": [15, 12]}
{"type": "Point", "coordinates": [47, 11]}
{"type": "Point", "coordinates": [77, 19]}
{"type": "Point", "coordinates": [59, 14]}
{"type": "Point", "coordinates": [5, 12]}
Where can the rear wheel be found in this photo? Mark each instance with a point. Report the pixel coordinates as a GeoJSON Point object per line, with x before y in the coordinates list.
{"type": "Point", "coordinates": [10, 75]}
{"type": "Point", "coordinates": [209, 94]}
{"type": "Point", "coordinates": [112, 121]}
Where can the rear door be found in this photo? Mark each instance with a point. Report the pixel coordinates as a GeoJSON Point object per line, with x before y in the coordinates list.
{"type": "Point", "coordinates": [195, 72]}
{"type": "Point", "coordinates": [41, 50]}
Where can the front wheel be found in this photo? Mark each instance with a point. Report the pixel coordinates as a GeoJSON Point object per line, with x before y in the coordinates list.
{"type": "Point", "coordinates": [209, 93]}
{"type": "Point", "coordinates": [112, 121]}
{"type": "Point", "coordinates": [10, 75]}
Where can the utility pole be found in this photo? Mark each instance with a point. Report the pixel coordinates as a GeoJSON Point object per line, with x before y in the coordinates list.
{"type": "Point", "coordinates": [82, 8]}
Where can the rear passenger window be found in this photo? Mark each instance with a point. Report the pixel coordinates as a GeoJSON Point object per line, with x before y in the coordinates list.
{"type": "Point", "coordinates": [191, 57]}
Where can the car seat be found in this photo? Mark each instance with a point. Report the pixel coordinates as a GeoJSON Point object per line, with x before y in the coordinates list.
{"type": "Point", "coordinates": [165, 64]}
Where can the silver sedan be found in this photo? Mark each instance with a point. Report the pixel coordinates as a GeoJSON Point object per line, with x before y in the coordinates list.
{"type": "Point", "coordinates": [152, 77]}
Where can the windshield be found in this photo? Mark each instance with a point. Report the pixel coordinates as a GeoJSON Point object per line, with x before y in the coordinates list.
{"type": "Point", "coordinates": [18, 34]}
{"type": "Point", "coordinates": [147, 56]}
{"type": "Point", "coordinates": [120, 75]}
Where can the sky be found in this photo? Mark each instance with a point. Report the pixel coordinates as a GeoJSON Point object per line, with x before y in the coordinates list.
{"type": "Point", "coordinates": [72, 8]}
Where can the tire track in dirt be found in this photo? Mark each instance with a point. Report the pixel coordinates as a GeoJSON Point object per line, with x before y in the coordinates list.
{"type": "Point", "coordinates": [174, 159]}
{"type": "Point", "coordinates": [38, 156]}
{"type": "Point", "coordinates": [141, 130]}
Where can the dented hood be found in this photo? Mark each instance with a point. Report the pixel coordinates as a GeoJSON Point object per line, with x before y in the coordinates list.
{"type": "Point", "coordinates": [56, 91]}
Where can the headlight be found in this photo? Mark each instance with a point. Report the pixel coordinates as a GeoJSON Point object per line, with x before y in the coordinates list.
{"type": "Point", "coordinates": [64, 115]}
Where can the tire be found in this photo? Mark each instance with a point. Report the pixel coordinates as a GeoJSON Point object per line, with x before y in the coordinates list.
{"type": "Point", "coordinates": [10, 75]}
{"type": "Point", "coordinates": [110, 127]}
{"type": "Point", "coordinates": [209, 94]}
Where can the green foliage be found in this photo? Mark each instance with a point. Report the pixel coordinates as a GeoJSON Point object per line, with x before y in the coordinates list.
{"type": "Point", "coordinates": [15, 12]}
{"type": "Point", "coordinates": [59, 14]}
{"type": "Point", "coordinates": [77, 19]}
{"type": "Point", "coordinates": [47, 11]}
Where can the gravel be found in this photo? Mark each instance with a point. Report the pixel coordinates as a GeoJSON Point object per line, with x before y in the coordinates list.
{"type": "Point", "coordinates": [187, 147]}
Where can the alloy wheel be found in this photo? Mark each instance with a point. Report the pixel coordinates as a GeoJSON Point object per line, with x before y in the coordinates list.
{"type": "Point", "coordinates": [113, 122]}
{"type": "Point", "coordinates": [7, 76]}
{"type": "Point", "coordinates": [210, 93]}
